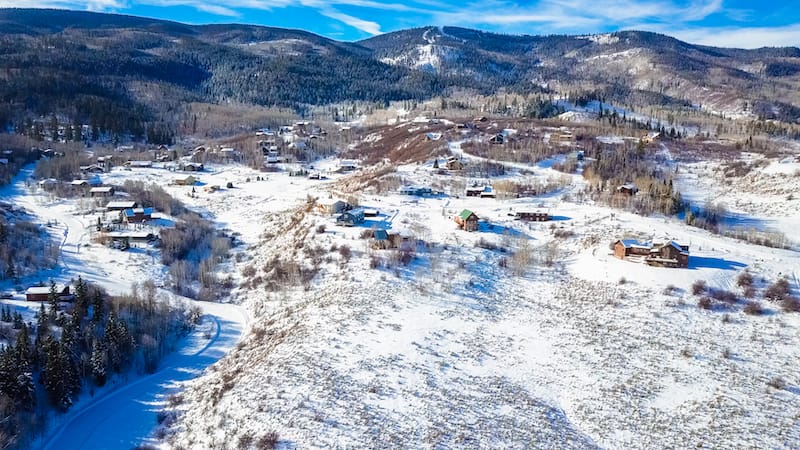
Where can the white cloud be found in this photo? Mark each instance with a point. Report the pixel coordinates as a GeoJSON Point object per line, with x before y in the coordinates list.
{"type": "Point", "coordinates": [744, 37]}
{"type": "Point", "coordinates": [366, 26]}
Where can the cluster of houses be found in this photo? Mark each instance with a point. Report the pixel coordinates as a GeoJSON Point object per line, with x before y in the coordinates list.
{"type": "Point", "coordinates": [666, 254]}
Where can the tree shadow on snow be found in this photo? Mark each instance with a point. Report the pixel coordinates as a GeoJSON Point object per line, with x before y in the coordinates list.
{"type": "Point", "coordinates": [702, 262]}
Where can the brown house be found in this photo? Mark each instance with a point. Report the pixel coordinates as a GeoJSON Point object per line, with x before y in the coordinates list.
{"type": "Point", "coordinates": [533, 216]}
{"type": "Point", "coordinates": [631, 247]}
{"type": "Point", "coordinates": [670, 254]}
{"type": "Point", "coordinates": [137, 215]}
{"type": "Point", "coordinates": [467, 220]}
{"type": "Point", "coordinates": [42, 293]}
{"type": "Point", "coordinates": [104, 191]}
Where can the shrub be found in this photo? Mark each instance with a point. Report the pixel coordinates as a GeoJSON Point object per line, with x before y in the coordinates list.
{"type": "Point", "coordinates": [705, 302]}
{"type": "Point", "coordinates": [229, 185]}
{"type": "Point", "coordinates": [622, 280]}
{"type": "Point", "coordinates": [321, 228]}
{"type": "Point", "coordinates": [670, 289]}
{"type": "Point", "coordinates": [777, 383]}
{"type": "Point", "coordinates": [744, 280]}
{"type": "Point", "coordinates": [753, 308]}
{"type": "Point", "coordinates": [749, 292]}
{"type": "Point", "coordinates": [374, 262]}
{"type": "Point", "coordinates": [345, 252]}
{"type": "Point", "coordinates": [778, 290]}
{"type": "Point", "coordinates": [791, 304]}
{"type": "Point", "coordinates": [268, 442]}
{"type": "Point", "coordinates": [723, 296]}
{"type": "Point", "coordinates": [366, 234]}
{"type": "Point", "coordinates": [698, 287]}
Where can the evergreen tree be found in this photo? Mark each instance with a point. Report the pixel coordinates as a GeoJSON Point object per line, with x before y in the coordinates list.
{"type": "Point", "coordinates": [98, 363]}
{"type": "Point", "coordinates": [52, 299]}
{"type": "Point", "coordinates": [97, 308]}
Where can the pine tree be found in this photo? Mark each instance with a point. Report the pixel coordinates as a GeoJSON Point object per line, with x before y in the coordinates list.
{"type": "Point", "coordinates": [98, 363]}
{"type": "Point", "coordinates": [81, 301]}
{"type": "Point", "coordinates": [52, 299]}
{"type": "Point", "coordinates": [97, 308]}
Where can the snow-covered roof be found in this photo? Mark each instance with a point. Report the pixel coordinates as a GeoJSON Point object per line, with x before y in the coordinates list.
{"type": "Point", "coordinates": [121, 205]}
{"type": "Point", "coordinates": [101, 189]}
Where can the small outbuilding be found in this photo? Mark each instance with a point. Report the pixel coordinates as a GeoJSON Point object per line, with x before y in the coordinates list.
{"type": "Point", "coordinates": [467, 220]}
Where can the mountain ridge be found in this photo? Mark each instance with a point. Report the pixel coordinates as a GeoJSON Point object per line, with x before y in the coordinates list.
{"type": "Point", "coordinates": [93, 68]}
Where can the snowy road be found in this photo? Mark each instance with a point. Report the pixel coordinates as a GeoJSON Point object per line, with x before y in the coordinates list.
{"type": "Point", "coordinates": [122, 417]}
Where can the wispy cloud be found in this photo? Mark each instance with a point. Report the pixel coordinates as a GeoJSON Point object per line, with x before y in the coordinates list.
{"type": "Point", "coordinates": [366, 26]}
{"type": "Point", "coordinates": [739, 37]}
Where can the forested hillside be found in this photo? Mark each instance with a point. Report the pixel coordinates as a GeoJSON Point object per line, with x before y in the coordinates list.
{"type": "Point", "coordinates": [85, 75]}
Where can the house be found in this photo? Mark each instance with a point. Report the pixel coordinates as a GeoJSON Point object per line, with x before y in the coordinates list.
{"type": "Point", "coordinates": [454, 163]}
{"type": "Point", "coordinates": [533, 216]}
{"type": "Point", "coordinates": [137, 215]}
{"type": "Point", "coordinates": [402, 239]}
{"type": "Point", "coordinates": [631, 247]}
{"type": "Point", "coordinates": [92, 168]}
{"type": "Point", "coordinates": [498, 138]}
{"type": "Point", "coordinates": [433, 136]}
{"type": "Point", "coordinates": [628, 189]}
{"type": "Point", "coordinates": [380, 240]}
{"type": "Point", "coordinates": [48, 183]}
{"type": "Point", "coordinates": [480, 191]}
{"type": "Point", "coordinates": [188, 180]}
{"type": "Point", "coordinates": [79, 183]}
{"type": "Point", "coordinates": [131, 236]}
{"type": "Point", "coordinates": [467, 220]}
{"type": "Point", "coordinates": [419, 191]}
{"type": "Point", "coordinates": [669, 254]}
{"type": "Point", "coordinates": [102, 191]}
{"type": "Point", "coordinates": [346, 165]}
{"type": "Point", "coordinates": [139, 164]}
{"type": "Point", "coordinates": [562, 136]}
{"type": "Point", "coordinates": [191, 167]}
{"type": "Point", "coordinates": [651, 137]}
{"type": "Point", "coordinates": [121, 205]}
{"type": "Point", "coordinates": [42, 293]}
{"type": "Point", "coordinates": [350, 218]}
{"type": "Point", "coordinates": [273, 157]}
{"type": "Point", "coordinates": [332, 206]}
{"type": "Point", "coordinates": [211, 188]}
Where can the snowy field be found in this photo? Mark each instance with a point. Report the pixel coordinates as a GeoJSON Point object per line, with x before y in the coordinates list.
{"type": "Point", "coordinates": [460, 349]}
{"type": "Point", "coordinates": [519, 335]}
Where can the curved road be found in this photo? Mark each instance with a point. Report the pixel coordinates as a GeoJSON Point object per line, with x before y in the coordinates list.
{"type": "Point", "coordinates": [124, 416]}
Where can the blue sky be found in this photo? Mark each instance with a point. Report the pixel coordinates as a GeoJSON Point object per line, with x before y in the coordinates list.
{"type": "Point", "coordinates": [730, 23]}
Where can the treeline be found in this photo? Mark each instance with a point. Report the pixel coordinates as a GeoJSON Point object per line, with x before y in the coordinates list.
{"type": "Point", "coordinates": [18, 151]}
{"type": "Point", "coordinates": [614, 166]}
{"type": "Point", "coordinates": [25, 248]}
{"type": "Point", "coordinates": [74, 346]}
